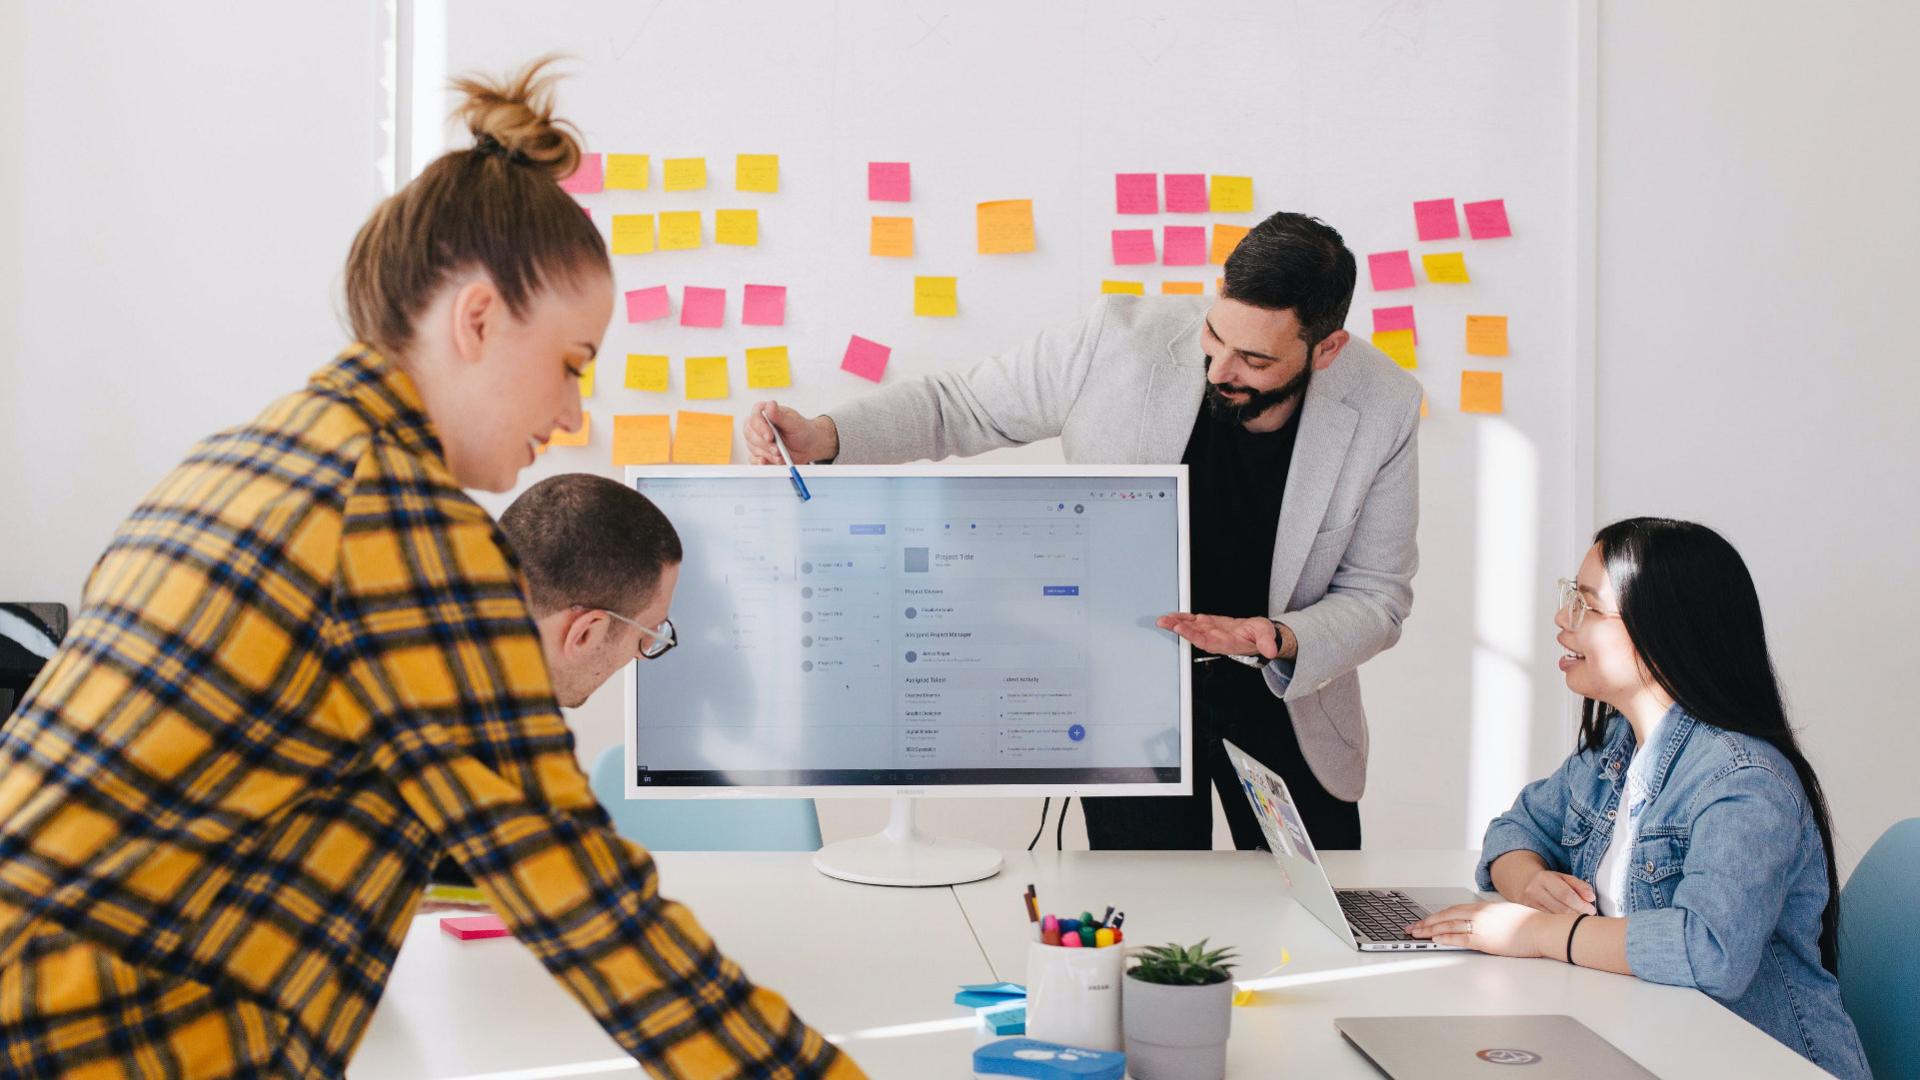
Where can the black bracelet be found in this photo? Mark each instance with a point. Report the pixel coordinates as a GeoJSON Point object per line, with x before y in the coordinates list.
{"type": "Point", "coordinates": [1570, 932]}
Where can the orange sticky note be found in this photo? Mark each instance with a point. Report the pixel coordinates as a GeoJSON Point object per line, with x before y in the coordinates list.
{"type": "Point", "coordinates": [628, 172]}
{"type": "Point", "coordinates": [647, 373]}
{"type": "Point", "coordinates": [1486, 335]}
{"type": "Point", "coordinates": [1446, 268]}
{"type": "Point", "coordinates": [1398, 345]}
{"type": "Point", "coordinates": [633, 234]}
{"type": "Point", "coordinates": [707, 378]}
{"type": "Point", "coordinates": [680, 230]}
{"type": "Point", "coordinates": [685, 174]}
{"type": "Point", "coordinates": [936, 296]}
{"type": "Point", "coordinates": [891, 237]}
{"type": "Point", "coordinates": [1005, 227]}
{"type": "Point", "coordinates": [1480, 392]}
{"type": "Point", "coordinates": [702, 438]}
{"type": "Point", "coordinates": [1182, 288]}
{"type": "Point", "coordinates": [1225, 239]}
{"type": "Point", "coordinates": [1423, 406]}
{"type": "Point", "coordinates": [768, 369]}
{"type": "Point", "coordinates": [1230, 194]}
{"type": "Point", "coordinates": [1125, 288]}
{"type": "Point", "coordinates": [641, 440]}
{"type": "Point", "coordinates": [756, 172]}
{"type": "Point", "coordinates": [740, 228]}
{"type": "Point", "coordinates": [573, 438]}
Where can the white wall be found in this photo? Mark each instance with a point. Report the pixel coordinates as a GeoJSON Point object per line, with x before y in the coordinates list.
{"type": "Point", "coordinates": [1758, 176]}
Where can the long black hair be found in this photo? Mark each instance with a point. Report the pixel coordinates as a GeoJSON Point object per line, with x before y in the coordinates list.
{"type": "Point", "coordinates": [1690, 607]}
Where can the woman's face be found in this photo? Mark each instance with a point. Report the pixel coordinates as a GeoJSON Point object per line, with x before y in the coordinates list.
{"type": "Point", "coordinates": [1600, 661]}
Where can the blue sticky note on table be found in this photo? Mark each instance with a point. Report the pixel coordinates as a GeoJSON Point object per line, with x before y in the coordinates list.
{"type": "Point", "coordinates": [975, 995]}
{"type": "Point", "coordinates": [1008, 1019]}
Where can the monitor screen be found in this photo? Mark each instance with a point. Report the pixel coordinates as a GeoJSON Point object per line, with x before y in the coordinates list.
{"type": "Point", "coordinates": [932, 629]}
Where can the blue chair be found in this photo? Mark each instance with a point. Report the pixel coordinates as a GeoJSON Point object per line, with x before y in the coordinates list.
{"type": "Point", "coordinates": [1880, 954]}
{"type": "Point", "coordinates": [703, 824]}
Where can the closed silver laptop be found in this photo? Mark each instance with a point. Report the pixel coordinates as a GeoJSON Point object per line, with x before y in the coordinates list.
{"type": "Point", "coordinates": [1467, 1047]}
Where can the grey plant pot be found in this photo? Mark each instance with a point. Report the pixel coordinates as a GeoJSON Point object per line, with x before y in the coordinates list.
{"type": "Point", "coordinates": [1176, 1032]}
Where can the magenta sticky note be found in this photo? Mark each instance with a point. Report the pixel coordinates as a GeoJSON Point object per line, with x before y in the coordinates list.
{"type": "Point", "coordinates": [645, 305]}
{"type": "Point", "coordinates": [766, 305]}
{"type": "Point", "coordinates": [1185, 245]}
{"type": "Point", "coordinates": [474, 927]}
{"type": "Point", "coordinates": [867, 359]}
{"type": "Point", "coordinates": [1435, 219]}
{"type": "Point", "coordinates": [1487, 220]}
{"type": "Point", "coordinates": [1131, 246]}
{"type": "Point", "coordinates": [1395, 318]}
{"type": "Point", "coordinates": [1136, 193]}
{"type": "Point", "coordinates": [1390, 270]}
{"type": "Point", "coordinates": [1186, 193]}
{"type": "Point", "coordinates": [703, 307]}
{"type": "Point", "coordinates": [889, 181]}
{"type": "Point", "coordinates": [586, 179]}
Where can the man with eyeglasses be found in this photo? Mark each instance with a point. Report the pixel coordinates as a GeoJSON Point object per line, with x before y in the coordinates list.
{"type": "Point", "coordinates": [1302, 450]}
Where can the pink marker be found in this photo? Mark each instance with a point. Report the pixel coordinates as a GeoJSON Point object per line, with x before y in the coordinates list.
{"type": "Point", "coordinates": [1071, 941]}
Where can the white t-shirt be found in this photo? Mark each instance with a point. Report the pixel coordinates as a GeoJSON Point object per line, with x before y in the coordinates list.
{"type": "Point", "coordinates": [1610, 881]}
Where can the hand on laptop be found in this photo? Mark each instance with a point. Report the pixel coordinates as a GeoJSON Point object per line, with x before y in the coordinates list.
{"type": "Point", "coordinates": [1496, 927]}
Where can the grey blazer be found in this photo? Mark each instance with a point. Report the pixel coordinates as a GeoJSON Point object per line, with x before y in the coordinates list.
{"type": "Point", "coordinates": [1124, 386]}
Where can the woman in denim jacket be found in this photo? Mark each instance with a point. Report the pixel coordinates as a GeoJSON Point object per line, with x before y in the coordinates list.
{"type": "Point", "coordinates": [1707, 859]}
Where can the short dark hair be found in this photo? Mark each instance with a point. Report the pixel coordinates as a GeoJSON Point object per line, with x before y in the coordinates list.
{"type": "Point", "coordinates": [585, 539]}
{"type": "Point", "coordinates": [1298, 263]}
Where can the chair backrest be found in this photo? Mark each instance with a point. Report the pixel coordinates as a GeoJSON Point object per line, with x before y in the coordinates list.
{"type": "Point", "coordinates": [1880, 951]}
{"type": "Point", "coordinates": [703, 824]}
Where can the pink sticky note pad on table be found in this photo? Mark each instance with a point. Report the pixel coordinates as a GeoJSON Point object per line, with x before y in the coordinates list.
{"type": "Point", "coordinates": [1395, 318]}
{"type": "Point", "coordinates": [474, 927]}
{"type": "Point", "coordinates": [1487, 220]}
{"type": "Point", "coordinates": [1131, 246]}
{"type": "Point", "coordinates": [765, 305]}
{"type": "Point", "coordinates": [1435, 219]}
{"type": "Point", "coordinates": [645, 305]}
{"type": "Point", "coordinates": [1390, 270]}
{"type": "Point", "coordinates": [1186, 193]}
{"type": "Point", "coordinates": [1186, 245]}
{"type": "Point", "coordinates": [588, 178]}
{"type": "Point", "coordinates": [890, 181]}
{"type": "Point", "coordinates": [867, 359]}
{"type": "Point", "coordinates": [1136, 193]}
{"type": "Point", "coordinates": [703, 307]}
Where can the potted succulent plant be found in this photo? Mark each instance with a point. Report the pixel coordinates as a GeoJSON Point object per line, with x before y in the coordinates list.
{"type": "Point", "coordinates": [1176, 1011]}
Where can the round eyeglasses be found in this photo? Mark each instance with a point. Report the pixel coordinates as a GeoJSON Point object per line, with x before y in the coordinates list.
{"type": "Point", "coordinates": [1575, 604]}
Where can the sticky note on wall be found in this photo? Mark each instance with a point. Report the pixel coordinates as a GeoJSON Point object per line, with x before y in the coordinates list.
{"type": "Point", "coordinates": [703, 307]}
{"type": "Point", "coordinates": [740, 228]}
{"type": "Point", "coordinates": [1225, 239]}
{"type": "Point", "coordinates": [641, 440]}
{"type": "Point", "coordinates": [680, 230]}
{"type": "Point", "coordinates": [756, 172]}
{"type": "Point", "coordinates": [1481, 392]}
{"type": "Point", "coordinates": [633, 234]}
{"type": "Point", "coordinates": [867, 359]}
{"type": "Point", "coordinates": [1182, 288]}
{"type": "Point", "coordinates": [628, 172]}
{"type": "Point", "coordinates": [1390, 270]}
{"type": "Point", "coordinates": [1124, 288]}
{"type": "Point", "coordinates": [766, 305]}
{"type": "Point", "coordinates": [647, 373]}
{"type": "Point", "coordinates": [586, 178]}
{"type": "Point", "coordinates": [1132, 247]}
{"type": "Point", "coordinates": [1398, 345]}
{"type": "Point", "coordinates": [1136, 193]}
{"type": "Point", "coordinates": [889, 181]}
{"type": "Point", "coordinates": [892, 237]}
{"type": "Point", "coordinates": [646, 305]}
{"type": "Point", "coordinates": [936, 296]}
{"type": "Point", "coordinates": [1230, 194]}
{"type": "Point", "coordinates": [1184, 245]}
{"type": "Point", "coordinates": [707, 378]}
{"type": "Point", "coordinates": [1005, 227]}
{"type": "Point", "coordinates": [1434, 219]}
{"type": "Point", "coordinates": [684, 174]}
{"type": "Point", "coordinates": [701, 438]}
{"type": "Point", "coordinates": [768, 368]}
{"type": "Point", "coordinates": [1486, 335]}
{"type": "Point", "coordinates": [1395, 318]}
{"type": "Point", "coordinates": [1487, 220]}
{"type": "Point", "coordinates": [1445, 268]}
{"type": "Point", "coordinates": [586, 380]}
{"type": "Point", "coordinates": [1186, 193]}
{"type": "Point", "coordinates": [573, 438]}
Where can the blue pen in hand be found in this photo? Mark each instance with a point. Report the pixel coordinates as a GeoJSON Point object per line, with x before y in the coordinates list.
{"type": "Point", "coordinates": [799, 485]}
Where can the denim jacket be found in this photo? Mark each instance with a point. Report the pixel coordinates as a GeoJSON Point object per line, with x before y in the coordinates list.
{"type": "Point", "coordinates": [1727, 878]}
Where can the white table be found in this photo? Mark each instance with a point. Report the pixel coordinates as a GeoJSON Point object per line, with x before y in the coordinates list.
{"type": "Point", "coordinates": [876, 969]}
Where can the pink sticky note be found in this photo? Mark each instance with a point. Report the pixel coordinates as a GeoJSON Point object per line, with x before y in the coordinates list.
{"type": "Point", "coordinates": [586, 179]}
{"type": "Point", "coordinates": [1435, 219]}
{"type": "Point", "coordinates": [645, 305]}
{"type": "Point", "coordinates": [889, 181]}
{"type": "Point", "coordinates": [1186, 193]}
{"type": "Point", "coordinates": [1390, 270]}
{"type": "Point", "coordinates": [1136, 193]}
{"type": "Point", "coordinates": [766, 305]}
{"type": "Point", "coordinates": [1186, 245]}
{"type": "Point", "coordinates": [703, 307]}
{"type": "Point", "coordinates": [1487, 220]}
{"type": "Point", "coordinates": [1132, 246]}
{"type": "Point", "coordinates": [867, 359]}
{"type": "Point", "coordinates": [1395, 318]}
{"type": "Point", "coordinates": [474, 927]}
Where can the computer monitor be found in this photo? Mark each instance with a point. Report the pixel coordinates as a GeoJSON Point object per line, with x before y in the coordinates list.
{"type": "Point", "coordinates": [952, 630]}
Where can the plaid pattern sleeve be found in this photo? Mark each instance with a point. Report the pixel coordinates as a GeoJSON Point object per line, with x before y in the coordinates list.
{"type": "Point", "coordinates": [302, 669]}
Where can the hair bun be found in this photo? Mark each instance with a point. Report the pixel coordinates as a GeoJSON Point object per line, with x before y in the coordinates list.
{"type": "Point", "coordinates": [517, 115]}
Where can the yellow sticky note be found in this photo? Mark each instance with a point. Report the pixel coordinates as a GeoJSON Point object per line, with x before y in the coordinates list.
{"type": "Point", "coordinates": [703, 438]}
{"type": "Point", "coordinates": [1230, 194]}
{"type": "Point", "coordinates": [1124, 288]}
{"type": "Point", "coordinates": [680, 230]}
{"type": "Point", "coordinates": [1480, 392]}
{"type": "Point", "coordinates": [641, 440]}
{"type": "Point", "coordinates": [707, 378]}
{"type": "Point", "coordinates": [685, 174]}
{"type": "Point", "coordinates": [647, 373]}
{"type": "Point", "coordinates": [1005, 227]}
{"type": "Point", "coordinates": [767, 369]}
{"type": "Point", "coordinates": [891, 236]}
{"type": "Point", "coordinates": [936, 296]}
{"type": "Point", "coordinates": [1225, 239]}
{"type": "Point", "coordinates": [756, 172]}
{"type": "Point", "coordinates": [586, 380]}
{"type": "Point", "coordinates": [628, 172]}
{"type": "Point", "coordinates": [1398, 345]}
{"type": "Point", "coordinates": [1446, 268]}
{"type": "Point", "coordinates": [633, 234]}
{"type": "Point", "coordinates": [573, 438]}
{"type": "Point", "coordinates": [1182, 288]}
{"type": "Point", "coordinates": [1486, 335]}
{"type": "Point", "coordinates": [738, 227]}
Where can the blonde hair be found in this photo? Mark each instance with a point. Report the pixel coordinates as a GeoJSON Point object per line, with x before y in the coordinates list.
{"type": "Point", "coordinates": [497, 207]}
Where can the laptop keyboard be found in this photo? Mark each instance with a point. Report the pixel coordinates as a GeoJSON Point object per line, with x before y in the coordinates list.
{"type": "Point", "coordinates": [1380, 914]}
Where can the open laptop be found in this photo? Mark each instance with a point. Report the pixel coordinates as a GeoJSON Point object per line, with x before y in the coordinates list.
{"type": "Point", "coordinates": [1375, 919]}
{"type": "Point", "coordinates": [1464, 1047]}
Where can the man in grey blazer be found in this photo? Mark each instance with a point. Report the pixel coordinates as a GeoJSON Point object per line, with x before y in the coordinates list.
{"type": "Point", "coordinates": [1302, 452]}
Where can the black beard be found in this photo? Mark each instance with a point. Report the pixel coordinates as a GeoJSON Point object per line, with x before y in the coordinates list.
{"type": "Point", "coordinates": [1251, 409]}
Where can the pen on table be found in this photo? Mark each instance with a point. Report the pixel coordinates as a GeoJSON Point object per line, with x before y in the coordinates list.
{"type": "Point", "coordinates": [799, 485]}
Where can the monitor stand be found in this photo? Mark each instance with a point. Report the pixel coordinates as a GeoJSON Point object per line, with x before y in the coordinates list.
{"type": "Point", "coordinates": [903, 855]}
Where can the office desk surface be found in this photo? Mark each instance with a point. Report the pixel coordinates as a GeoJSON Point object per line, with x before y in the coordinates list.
{"type": "Point", "coordinates": [876, 968]}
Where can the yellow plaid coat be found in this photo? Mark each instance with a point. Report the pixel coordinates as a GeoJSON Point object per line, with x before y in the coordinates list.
{"type": "Point", "coordinates": [304, 668]}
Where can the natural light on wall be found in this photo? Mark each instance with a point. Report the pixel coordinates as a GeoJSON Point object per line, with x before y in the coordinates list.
{"type": "Point", "coordinates": [1507, 621]}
